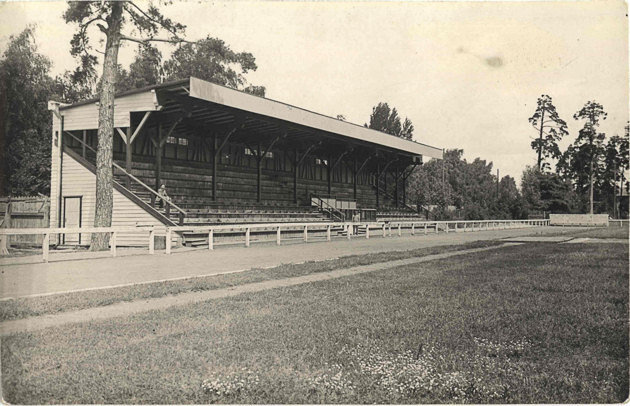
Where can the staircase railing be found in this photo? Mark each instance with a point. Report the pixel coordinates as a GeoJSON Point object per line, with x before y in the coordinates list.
{"type": "Point", "coordinates": [326, 207]}
{"type": "Point", "coordinates": [168, 205]}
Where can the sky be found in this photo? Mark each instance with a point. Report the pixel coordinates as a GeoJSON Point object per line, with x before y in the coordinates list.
{"type": "Point", "coordinates": [467, 74]}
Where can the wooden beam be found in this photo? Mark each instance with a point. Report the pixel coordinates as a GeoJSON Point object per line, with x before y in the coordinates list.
{"type": "Point", "coordinates": [158, 158]}
{"type": "Point", "coordinates": [354, 177]}
{"type": "Point", "coordinates": [238, 125]}
{"type": "Point", "coordinates": [308, 150]}
{"type": "Point", "coordinates": [84, 142]}
{"type": "Point", "coordinates": [122, 134]}
{"type": "Point", "coordinates": [139, 127]}
{"type": "Point", "coordinates": [128, 157]}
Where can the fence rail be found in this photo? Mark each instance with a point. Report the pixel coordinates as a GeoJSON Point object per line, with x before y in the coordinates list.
{"type": "Point", "coordinates": [348, 230]}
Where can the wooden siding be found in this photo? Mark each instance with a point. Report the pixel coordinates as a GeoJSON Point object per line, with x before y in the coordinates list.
{"type": "Point", "coordinates": [54, 174]}
{"type": "Point", "coordinates": [79, 181]}
{"type": "Point", "coordinates": [85, 117]}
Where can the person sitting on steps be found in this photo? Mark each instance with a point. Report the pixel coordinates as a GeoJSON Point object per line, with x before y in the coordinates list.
{"type": "Point", "coordinates": [162, 197]}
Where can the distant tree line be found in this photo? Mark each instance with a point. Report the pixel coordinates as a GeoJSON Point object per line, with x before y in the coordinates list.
{"type": "Point", "coordinates": [589, 175]}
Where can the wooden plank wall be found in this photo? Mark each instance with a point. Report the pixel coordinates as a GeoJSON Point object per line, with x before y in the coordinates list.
{"type": "Point", "coordinates": [79, 181]}
{"type": "Point", "coordinates": [25, 212]}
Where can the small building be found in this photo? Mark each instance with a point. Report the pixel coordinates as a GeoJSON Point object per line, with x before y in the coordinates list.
{"type": "Point", "coordinates": [224, 156]}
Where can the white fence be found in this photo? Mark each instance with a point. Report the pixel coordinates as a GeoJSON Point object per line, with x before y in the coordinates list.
{"type": "Point", "coordinates": [344, 230]}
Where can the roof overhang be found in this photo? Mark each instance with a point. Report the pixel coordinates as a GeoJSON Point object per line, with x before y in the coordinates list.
{"type": "Point", "coordinates": [222, 95]}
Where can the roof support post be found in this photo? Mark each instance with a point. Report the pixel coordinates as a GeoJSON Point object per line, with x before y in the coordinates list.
{"type": "Point", "coordinates": [329, 174]}
{"type": "Point", "coordinates": [378, 181]}
{"type": "Point", "coordinates": [128, 156]}
{"type": "Point", "coordinates": [354, 177]}
{"type": "Point", "coordinates": [356, 172]}
{"type": "Point", "coordinates": [331, 167]}
{"type": "Point", "coordinates": [238, 124]}
{"type": "Point", "coordinates": [297, 161]}
{"type": "Point", "coordinates": [295, 175]}
{"type": "Point", "coordinates": [396, 178]}
{"type": "Point", "coordinates": [84, 142]}
{"type": "Point", "coordinates": [258, 174]}
{"type": "Point", "coordinates": [260, 155]}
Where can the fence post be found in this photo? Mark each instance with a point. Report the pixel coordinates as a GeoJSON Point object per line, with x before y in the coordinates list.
{"type": "Point", "coordinates": [437, 228]}
{"type": "Point", "coordinates": [151, 241]}
{"type": "Point", "coordinates": [305, 233]}
{"type": "Point", "coordinates": [399, 230]}
{"type": "Point", "coordinates": [210, 239]}
{"type": "Point", "coordinates": [327, 232]}
{"type": "Point", "coordinates": [448, 227]}
{"type": "Point", "coordinates": [425, 229]}
{"type": "Point", "coordinates": [46, 246]}
{"type": "Point", "coordinates": [167, 241]}
{"type": "Point", "coordinates": [348, 231]}
{"type": "Point", "coordinates": [278, 236]}
{"type": "Point", "coordinates": [384, 233]}
{"type": "Point", "coordinates": [112, 243]}
{"type": "Point", "coordinates": [413, 229]}
{"type": "Point", "coordinates": [247, 236]}
{"type": "Point", "coordinates": [367, 231]}
{"type": "Point", "coordinates": [390, 229]}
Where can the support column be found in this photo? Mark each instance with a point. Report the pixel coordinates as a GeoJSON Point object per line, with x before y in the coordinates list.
{"type": "Point", "coordinates": [378, 181]}
{"type": "Point", "coordinates": [354, 177]}
{"type": "Point", "coordinates": [404, 192]}
{"type": "Point", "coordinates": [159, 147]}
{"type": "Point", "coordinates": [258, 174]}
{"type": "Point", "coordinates": [329, 173]}
{"type": "Point", "coordinates": [128, 155]}
{"type": "Point", "coordinates": [83, 151]}
{"type": "Point", "coordinates": [396, 187]}
{"type": "Point", "coordinates": [215, 157]}
{"type": "Point", "coordinates": [295, 175]}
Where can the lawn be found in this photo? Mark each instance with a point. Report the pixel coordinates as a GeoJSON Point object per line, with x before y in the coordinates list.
{"type": "Point", "coordinates": [530, 323]}
{"type": "Point", "coordinates": [26, 307]}
{"type": "Point", "coordinates": [614, 232]}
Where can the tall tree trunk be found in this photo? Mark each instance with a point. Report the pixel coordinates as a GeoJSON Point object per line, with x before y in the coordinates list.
{"type": "Point", "coordinates": [591, 181]}
{"type": "Point", "coordinates": [542, 119]}
{"type": "Point", "coordinates": [104, 153]}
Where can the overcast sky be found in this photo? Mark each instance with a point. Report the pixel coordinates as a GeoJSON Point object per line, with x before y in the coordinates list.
{"type": "Point", "coordinates": [466, 74]}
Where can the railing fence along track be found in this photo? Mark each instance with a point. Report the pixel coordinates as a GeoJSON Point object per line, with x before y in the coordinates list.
{"type": "Point", "coordinates": [343, 228]}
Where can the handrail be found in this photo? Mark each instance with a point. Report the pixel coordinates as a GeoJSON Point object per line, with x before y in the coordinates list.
{"type": "Point", "coordinates": [156, 194]}
{"type": "Point", "coordinates": [333, 210]}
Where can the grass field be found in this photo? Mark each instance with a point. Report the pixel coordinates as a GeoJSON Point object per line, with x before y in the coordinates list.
{"type": "Point", "coordinates": [614, 232]}
{"type": "Point", "coordinates": [25, 307]}
{"type": "Point", "coordinates": [530, 323]}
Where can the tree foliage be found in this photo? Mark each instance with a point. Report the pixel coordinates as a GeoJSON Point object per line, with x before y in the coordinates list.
{"type": "Point", "coordinates": [469, 186]}
{"type": "Point", "coordinates": [209, 59]}
{"type": "Point", "coordinates": [550, 128]}
{"type": "Point", "coordinates": [213, 60]}
{"type": "Point", "coordinates": [583, 161]}
{"type": "Point", "coordinates": [25, 88]}
{"type": "Point", "coordinates": [388, 121]}
{"type": "Point", "coordinates": [547, 192]}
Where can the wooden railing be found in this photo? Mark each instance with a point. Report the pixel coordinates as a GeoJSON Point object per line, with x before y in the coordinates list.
{"type": "Point", "coordinates": [416, 227]}
{"type": "Point", "coordinates": [167, 203]}
{"type": "Point", "coordinates": [327, 207]}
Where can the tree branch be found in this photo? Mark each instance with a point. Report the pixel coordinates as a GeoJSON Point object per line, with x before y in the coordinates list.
{"type": "Point", "coordinates": [171, 30]}
{"type": "Point", "coordinates": [145, 41]}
